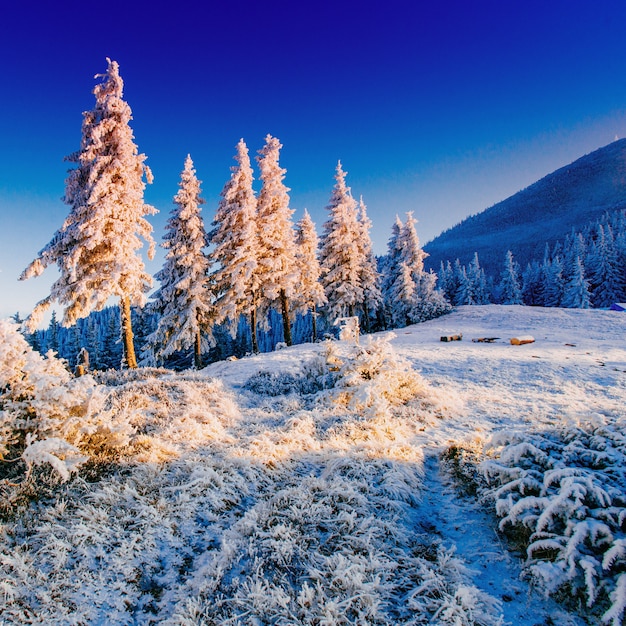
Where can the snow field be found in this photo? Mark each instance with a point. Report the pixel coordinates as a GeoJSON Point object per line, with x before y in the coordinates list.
{"type": "Point", "coordinates": [305, 487]}
{"type": "Point", "coordinates": [291, 508]}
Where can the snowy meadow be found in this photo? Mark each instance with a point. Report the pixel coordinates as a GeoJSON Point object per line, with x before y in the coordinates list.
{"type": "Point", "coordinates": [404, 480]}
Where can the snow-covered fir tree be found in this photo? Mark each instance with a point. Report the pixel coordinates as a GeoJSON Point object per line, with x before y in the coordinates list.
{"type": "Point", "coordinates": [234, 255]}
{"type": "Point", "coordinates": [464, 293]}
{"type": "Point", "coordinates": [370, 277]}
{"type": "Point", "coordinates": [310, 293]}
{"type": "Point", "coordinates": [510, 289]}
{"type": "Point", "coordinates": [407, 293]}
{"type": "Point", "coordinates": [576, 292]}
{"type": "Point", "coordinates": [341, 255]}
{"type": "Point", "coordinates": [410, 291]}
{"type": "Point", "coordinates": [183, 299]}
{"type": "Point", "coordinates": [479, 290]}
{"type": "Point", "coordinates": [52, 336]}
{"type": "Point", "coordinates": [603, 268]}
{"type": "Point", "coordinates": [391, 268]}
{"type": "Point", "coordinates": [276, 255]}
{"type": "Point", "coordinates": [445, 279]}
{"type": "Point", "coordinates": [552, 278]}
{"type": "Point", "coordinates": [532, 288]}
{"type": "Point", "coordinates": [96, 249]}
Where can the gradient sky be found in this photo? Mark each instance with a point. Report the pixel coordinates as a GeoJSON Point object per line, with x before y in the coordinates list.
{"type": "Point", "coordinates": [441, 108]}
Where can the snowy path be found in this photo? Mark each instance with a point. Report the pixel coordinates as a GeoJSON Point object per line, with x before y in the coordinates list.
{"type": "Point", "coordinates": [462, 525]}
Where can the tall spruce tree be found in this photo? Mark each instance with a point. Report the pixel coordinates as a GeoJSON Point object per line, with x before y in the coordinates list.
{"type": "Point", "coordinates": [96, 248]}
{"type": "Point", "coordinates": [604, 268]}
{"type": "Point", "coordinates": [576, 292]}
{"type": "Point", "coordinates": [183, 299]}
{"type": "Point", "coordinates": [341, 255]}
{"type": "Point", "coordinates": [391, 268]}
{"type": "Point", "coordinates": [370, 276]}
{"type": "Point", "coordinates": [410, 294]}
{"type": "Point", "coordinates": [478, 282]}
{"type": "Point", "coordinates": [310, 293]}
{"type": "Point", "coordinates": [234, 255]}
{"type": "Point", "coordinates": [510, 289]}
{"type": "Point", "coordinates": [276, 258]}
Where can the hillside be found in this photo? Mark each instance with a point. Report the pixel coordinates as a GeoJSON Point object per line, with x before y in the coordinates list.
{"type": "Point", "coordinates": [547, 210]}
{"type": "Point", "coordinates": [312, 487]}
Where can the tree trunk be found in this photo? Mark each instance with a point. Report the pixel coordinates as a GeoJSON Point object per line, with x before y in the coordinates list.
{"type": "Point", "coordinates": [255, 343]}
{"type": "Point", "coordinates": [129, 359]}
{"type": "Point", "coordinates": [314, 320]}
{"type": "Point", "coordinates": [351, 310]}
{"type": "Point", "coordinates": [284, 305]}
{"type": "Point", "coordinates": [197, 354]}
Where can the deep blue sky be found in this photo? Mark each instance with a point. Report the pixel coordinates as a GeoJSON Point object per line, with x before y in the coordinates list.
{"type": "Point", "coordinates": [442, 108]}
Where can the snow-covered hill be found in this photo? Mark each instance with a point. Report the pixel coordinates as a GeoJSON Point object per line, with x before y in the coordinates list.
{"type": "Point", "coordinates": [545, 212]}
{"type": "Point", "coordinates": [320, 484]}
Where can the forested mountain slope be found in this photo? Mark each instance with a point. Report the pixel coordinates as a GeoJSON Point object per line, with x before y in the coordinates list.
{"type": "Point", "coordinates": [545, 211]}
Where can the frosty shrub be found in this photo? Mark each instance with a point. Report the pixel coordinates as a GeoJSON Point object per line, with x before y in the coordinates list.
{"type": "Point", "coordinates": [462, 461]}
{"type": "Point", "coordinates": [373, 372]}
{"type": "Point", "coordinates": [268, 383]}
{"type": "Point", "coordinates": [44, 411]}
{"type": "Point", "coordinates": [157, 419]}
{"type": "Point", "coordinates": [357, 376]}
{"type": "Point", "coordinates": [565, 491]}
{"type": "Point", "coordinates": [113, 378]}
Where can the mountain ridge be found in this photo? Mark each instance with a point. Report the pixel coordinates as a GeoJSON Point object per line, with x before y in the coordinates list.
{"type": "Point", "coordinates": [544, 212]}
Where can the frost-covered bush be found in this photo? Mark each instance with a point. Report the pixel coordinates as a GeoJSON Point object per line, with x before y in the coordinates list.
{"type": "Point", "coordinates": [268, 383]}
{"type": "Point", "coordinates": [373, 372]}
{"type": "Point", "coordinates": [44, 411]}
{"type": "Point", "coordinates": [564, 493]}
{"type": "Point", "coordinates": [357, 376]}
{"type": "Point", "coordinates": [156, 419]}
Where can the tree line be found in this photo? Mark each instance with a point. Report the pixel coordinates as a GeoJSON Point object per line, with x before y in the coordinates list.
{"type": "Point", "coordinates": [587, 269]}
{"type": "Point", "coordinates": [252, 265]}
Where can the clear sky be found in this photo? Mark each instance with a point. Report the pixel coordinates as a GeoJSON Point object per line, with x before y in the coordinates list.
{"type": "Point", "coordinates": [441, 108]}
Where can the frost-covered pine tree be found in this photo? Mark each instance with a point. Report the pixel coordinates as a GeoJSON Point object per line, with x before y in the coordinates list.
{"type": "Point", "coordinates": [310, 293]}
{"type": "Point", "coordinates": [510, 289]}
{"type": "Point", "coordinates": [576, 293]}
{"type": "Point", "coordinates": [410, 292]}
{"type": "Point", "coordinates": [532, 291]}
{"type": "Point", "coordinates": [464, 292]}
{"type": "Point", "coordinates": [478, 282]}
{"type": "Point", "coordinates": [183, 299]}
{"type": "Point", "coordinates": [96, 248]}
{"type": "Point", "coordinates": [341, 255]}
{"type": "Point", "coordinates": [445, 278]}
{"type": "Point", "coordinates": [603, 268]}
{"type": "Point", "coordinates": [370, 276]}
{"type": "Point", "coordinates": [391, 268]}
{"type": "Point", "coordinates": [276, 256]}
{"type": "Point", "coordinates": [552, 279]}
{"type": "Point", "coordinates": [235, 250]}
{"type": "Point", "coordinates": [402, 296]}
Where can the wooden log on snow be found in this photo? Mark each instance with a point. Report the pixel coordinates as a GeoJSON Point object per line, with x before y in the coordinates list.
{"type": "Point", "coordinates": [522, 339]}
{"type": "Point", "coordinates": [452, 337]}
{"type": "Point", "coordinates": [485, 339]}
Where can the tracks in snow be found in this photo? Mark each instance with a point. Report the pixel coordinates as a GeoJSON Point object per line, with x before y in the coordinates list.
{"type": "Point", "coordinates": [462, 525]}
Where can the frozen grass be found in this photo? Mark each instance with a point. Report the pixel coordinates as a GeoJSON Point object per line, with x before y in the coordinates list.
{"type": "Point", "coordinates": [308, 495]}
{"type": "Point", "coordinates": [280, 508]}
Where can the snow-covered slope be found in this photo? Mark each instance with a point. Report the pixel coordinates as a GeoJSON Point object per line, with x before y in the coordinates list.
{"type": "Point", "coordinates": [546, 211]}
{"type": "Point", "coordinates": [307, 487]}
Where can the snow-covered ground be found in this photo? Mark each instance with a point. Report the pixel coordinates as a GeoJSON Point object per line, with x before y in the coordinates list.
{"type": "Point", "coordinates": [301, 487]}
